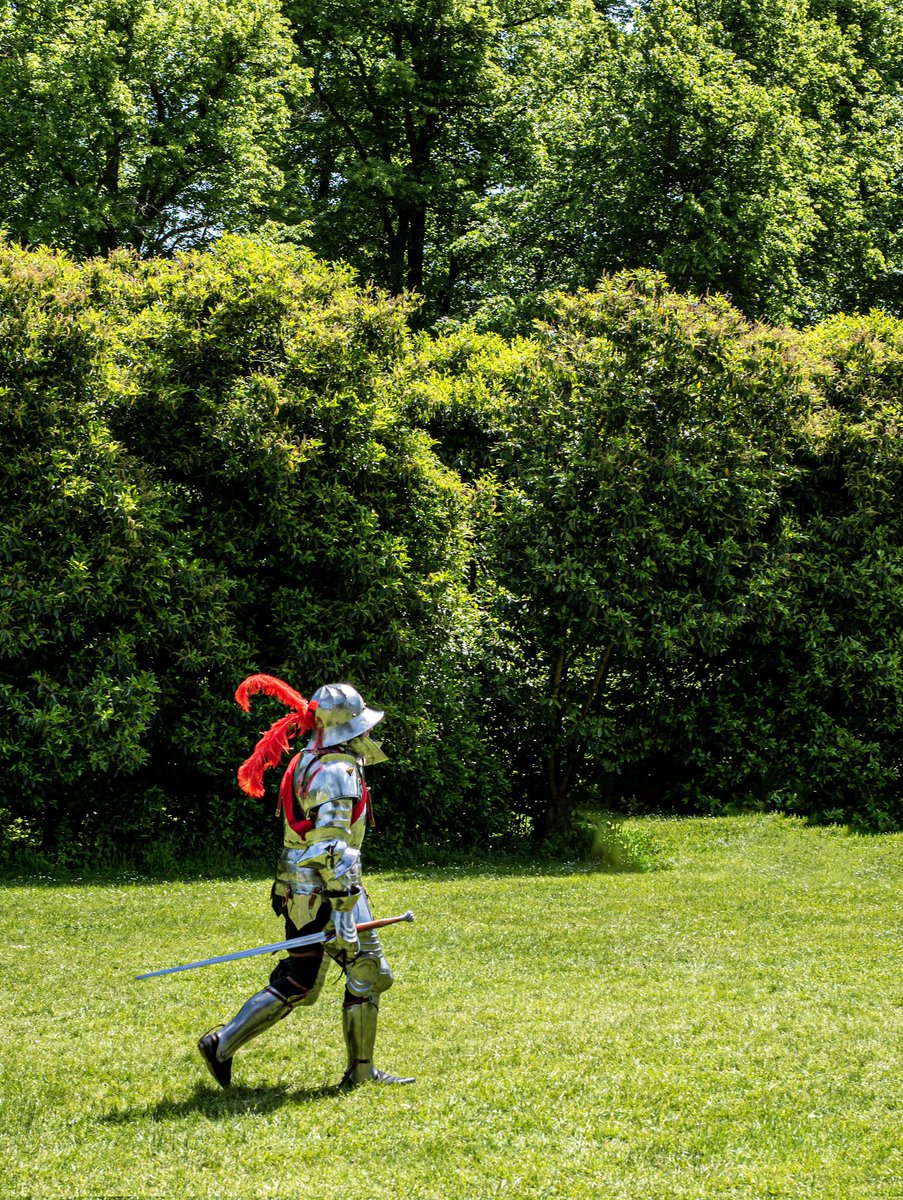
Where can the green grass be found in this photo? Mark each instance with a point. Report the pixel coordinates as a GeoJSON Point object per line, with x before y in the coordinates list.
{"type": "Point", "coordinates": [728, 1025]}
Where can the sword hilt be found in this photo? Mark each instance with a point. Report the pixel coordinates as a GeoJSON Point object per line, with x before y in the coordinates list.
{"type": "Point", "coordinates": [383, 921]}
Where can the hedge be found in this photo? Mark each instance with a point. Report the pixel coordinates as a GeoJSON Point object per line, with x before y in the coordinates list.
{"type": "Point", "coordinates": [648, 557]}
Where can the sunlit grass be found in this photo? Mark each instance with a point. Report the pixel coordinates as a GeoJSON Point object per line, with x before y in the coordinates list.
{"type": "Point", "coordinates": [728, 1025]}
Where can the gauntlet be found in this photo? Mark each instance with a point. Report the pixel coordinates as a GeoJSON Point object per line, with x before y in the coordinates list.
{"type": "Point", "coordinates": [345, 932]}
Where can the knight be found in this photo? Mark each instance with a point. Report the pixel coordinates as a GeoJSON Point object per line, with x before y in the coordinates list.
{"type": "Point", "coordinates": [325, 808]}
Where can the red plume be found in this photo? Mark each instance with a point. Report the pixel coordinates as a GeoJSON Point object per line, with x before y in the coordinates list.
{"type": "Point", "coordinates": [267, 753]}
{"type": "Point", "coordinates": [273, 687]}
{"type": "Point", "coordinates": [274, 742]}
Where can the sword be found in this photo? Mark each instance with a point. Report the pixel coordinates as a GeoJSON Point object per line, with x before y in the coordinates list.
{"type": "Point", "coordinates": [309, 939]}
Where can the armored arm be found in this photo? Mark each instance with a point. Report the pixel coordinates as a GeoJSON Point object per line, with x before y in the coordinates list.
{"type": "Point", "coordinates": [329, 789]}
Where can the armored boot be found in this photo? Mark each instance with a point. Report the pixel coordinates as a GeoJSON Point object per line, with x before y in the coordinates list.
{"type": "Point", "coordinates": [359, 1027]}
{"type": "Point", "coordinates": [257, 1014]}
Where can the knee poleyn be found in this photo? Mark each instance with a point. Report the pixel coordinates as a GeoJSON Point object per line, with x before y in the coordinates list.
{"type": "Point", "coordinates": [368, 976]}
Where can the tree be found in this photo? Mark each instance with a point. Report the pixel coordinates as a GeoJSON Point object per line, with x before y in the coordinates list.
{"type": "Point", "coordinates": [145, 123]}
{"type": "Point", "coordinates": [414, 117]}
{"type": "Point", "coordinates": [840, 61]}
{"type": "Point", "coordinates": [751, 149]}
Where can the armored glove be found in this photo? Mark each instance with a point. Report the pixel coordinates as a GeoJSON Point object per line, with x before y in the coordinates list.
{"type": "Point", "coordinates": [345, 932]}
{"type": "Point", "coordinates": [342, 902]}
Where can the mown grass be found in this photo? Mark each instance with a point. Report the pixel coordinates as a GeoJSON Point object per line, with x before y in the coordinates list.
{"type": "Point", "coordinates": [726, 1026]}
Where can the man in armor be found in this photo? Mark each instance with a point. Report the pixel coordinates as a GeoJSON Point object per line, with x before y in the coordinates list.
{"type": "Point", "coordinates": [325, 808]}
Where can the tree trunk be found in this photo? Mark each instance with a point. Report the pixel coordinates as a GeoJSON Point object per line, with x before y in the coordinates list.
{"type": "Point", "coordinates": [396, 247]}
{"type": "Point", "coordinates": [550, 803]}
{"type": "Point", "coordinates": [553, 805]}
{"type": "Point", "coordinates": [416, 248]}
{"type": "Point", "coordinates": [553, 816]}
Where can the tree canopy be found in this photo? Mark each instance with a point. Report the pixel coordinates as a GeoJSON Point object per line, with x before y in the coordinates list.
{"type": "Point", "coordinates": [476, 152]}
{"type": "Point", "coordinates": [752, 149]}
{"type": "Point", "coordinates": [143, 123]}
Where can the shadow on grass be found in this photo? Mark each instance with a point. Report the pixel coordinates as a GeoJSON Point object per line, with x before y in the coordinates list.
{"type": "Point", "coordinates": [444, 868]}
{"type": "Point", "coordinates": [234, 1101]}
{"type": "Point", "coordinates": [599, 842]}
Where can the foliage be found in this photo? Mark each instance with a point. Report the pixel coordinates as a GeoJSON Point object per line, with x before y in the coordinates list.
{"type": "Point", "coordinates": [647, 556]}
{"type": "Point", "coordinates": [752, 149]}
{"type": "Point", "coordinates": [103, 594]}
{"type": "Point", "coordinates": [690, 552]}
{"type": "Point", "coordinates": [802, 707]}
{"type": "Point", "coordinates": [639, 463]}
{"type": "Point", "coordinates": [828, 686]}
{"type": "Point", "coordinates": [620, 845]}
{"type": "Point", "coordinates": [148, 123]}
{"type": "Point", "coordinates": [476, 152]}
{"type": "Point", "coordinates": [208, 474]}
{"type": "Point", "coordinates": [413, 117]}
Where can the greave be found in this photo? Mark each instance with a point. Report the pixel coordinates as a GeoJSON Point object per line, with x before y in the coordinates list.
{"type": "Point", "coordinates": [359, 1027]}
{"type": "Point", "coordinates": [257, 1014]}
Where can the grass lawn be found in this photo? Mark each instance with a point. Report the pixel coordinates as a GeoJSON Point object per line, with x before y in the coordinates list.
{"type": "Point", "coordinates": [726, 1026]}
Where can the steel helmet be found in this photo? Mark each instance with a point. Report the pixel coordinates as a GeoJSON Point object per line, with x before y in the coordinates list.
{"type": "Point", "coordinates": [340, 715]}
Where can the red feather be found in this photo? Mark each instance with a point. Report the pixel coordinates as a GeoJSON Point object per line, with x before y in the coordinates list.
{"type": "Point", "coordinates": [267, 753]}
{"type": "Point", "coordinates": [272, 687]}
{"type": "Point", "coordinates": [274, 742]}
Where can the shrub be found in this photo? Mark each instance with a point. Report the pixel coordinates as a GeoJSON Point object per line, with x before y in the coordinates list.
{"type": "Point", "coordinates": [688, 548]}
{"type": "Point", "coordinates": [210, 474]}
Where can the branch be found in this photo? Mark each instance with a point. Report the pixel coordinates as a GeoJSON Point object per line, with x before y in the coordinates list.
{"type": "Point", "coordinates": [371, 102]}
{"type": "Point", "coordinates": [551, 758]}
{"type": "Point", "coordinates": [557, 670]}
{"type": "Point", "coordinates": [598, 680]}
{"type": "Point", "coordinates": [539, 16]}
{"type": "Point", "coordinates": [352, 136]}
{"type": "Point", "coordinates": [159, 102]}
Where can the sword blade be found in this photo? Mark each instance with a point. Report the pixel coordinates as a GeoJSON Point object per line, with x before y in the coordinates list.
{"type": "Point", "coordinates": [309, 939]}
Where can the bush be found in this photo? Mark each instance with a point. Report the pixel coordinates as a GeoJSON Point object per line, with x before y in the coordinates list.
{"type": "Point", "coordinates": [823, 697]}
{"type": "Point", "coordinates": [688, 546]}
{"type": "Point", "coordinates": [648, 557]}
{"type": "Point", "coordinates": [210, 474]}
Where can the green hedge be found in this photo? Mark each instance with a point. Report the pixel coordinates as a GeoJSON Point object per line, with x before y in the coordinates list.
{"type": "Point", "coordinates": [209, 473]}
{"type": "Point", "coordinates": [647, 557]}
{"type": "Point", "coordinates": [690, 550]}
